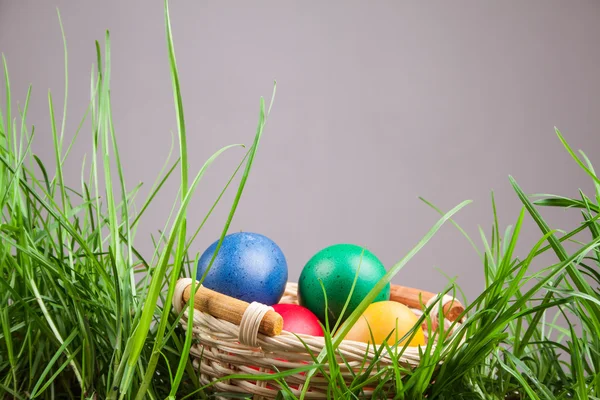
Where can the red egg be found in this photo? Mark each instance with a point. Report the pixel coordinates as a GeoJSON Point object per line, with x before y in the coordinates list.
{"type": "Point", "coordinates": [298, 319]}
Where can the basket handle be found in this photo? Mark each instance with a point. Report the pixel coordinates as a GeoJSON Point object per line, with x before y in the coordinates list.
{"type": "Point", "coordinates": [416, 298]}
{"type": "Point", "coordinates": [230, 309]}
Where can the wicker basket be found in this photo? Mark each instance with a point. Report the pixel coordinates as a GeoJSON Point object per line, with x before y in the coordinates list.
{"type": "Point", "coordinates": [221, 348]}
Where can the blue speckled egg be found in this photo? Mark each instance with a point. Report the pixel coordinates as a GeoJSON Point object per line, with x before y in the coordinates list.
{"type": "Point", "coordinates": [249, 267]}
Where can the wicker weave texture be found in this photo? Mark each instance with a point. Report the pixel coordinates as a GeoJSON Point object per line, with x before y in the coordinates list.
{"type": "Point", "coordinates": [217, 352]}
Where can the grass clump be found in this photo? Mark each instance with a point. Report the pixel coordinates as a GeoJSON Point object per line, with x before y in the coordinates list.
{"type": "Point", "coordinates": [84, 315]}
{"type": "Point", "coordinates": [76, 320]}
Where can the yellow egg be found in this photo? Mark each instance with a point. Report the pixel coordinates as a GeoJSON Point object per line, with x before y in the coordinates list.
{"type": "Point", "coordinates": [386, 318]}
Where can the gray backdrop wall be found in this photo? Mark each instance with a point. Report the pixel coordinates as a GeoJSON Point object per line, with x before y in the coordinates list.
{"type": "Point", "coordinates": [377, 103]}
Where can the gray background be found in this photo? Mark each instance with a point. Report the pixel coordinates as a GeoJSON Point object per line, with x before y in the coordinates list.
{"type": "Point", "coordinates": [377, 103]}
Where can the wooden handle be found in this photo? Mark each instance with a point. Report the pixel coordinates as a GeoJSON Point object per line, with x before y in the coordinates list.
{"type": "Point", "coordinates": [415, 298]}
{"type": "Point", "coordinates": [231, 309]}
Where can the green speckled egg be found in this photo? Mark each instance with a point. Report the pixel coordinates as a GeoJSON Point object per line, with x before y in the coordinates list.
{"type": "Point", "coordinates": [336, 267]}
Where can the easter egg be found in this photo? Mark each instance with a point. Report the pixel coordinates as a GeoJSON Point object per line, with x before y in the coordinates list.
{"type": "Point", "coordinates": [298, 319]}
{"type": "Point", "coordinates": [249, 266]}
{"type": "Point", "coordinates": [336, 267]}
{"type": "Point", "coordinates": [386, 318]}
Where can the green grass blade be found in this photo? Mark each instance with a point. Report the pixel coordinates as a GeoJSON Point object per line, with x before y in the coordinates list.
{"type": "Point", "coordinates": [572, 153]}
{"type": "Point", "coordinates": [62, 349]}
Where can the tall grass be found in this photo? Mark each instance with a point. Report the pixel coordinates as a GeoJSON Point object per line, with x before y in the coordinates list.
{"type": "Point", "coordinates": [85, 315]}
{"type": "Point", "coordinates": [74, 317]}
